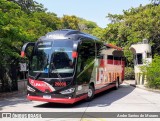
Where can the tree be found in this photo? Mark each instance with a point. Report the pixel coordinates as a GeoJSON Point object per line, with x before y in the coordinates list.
{"type": "Point", "coordinates": [29, 5]}
{"type": "Point", "coordinates": [24, 21]}
{"type": "Point", "coordinates": [18, 27]}
{"type": "Point", "coordinates": [133, 26]}
{"type": "Point", "coordinates": [152, 72]}
{"type": "Point", "coordinates": [70, 22]}
{"type": "Point", "coordinates": [73, 22]}
{"type": "Point", "coordinates": [50, 20]}
{"type": "Point", "coordinates": [99, 33]}
{"type": "Point", "coordinates": [8, 41]}
{"type": "Point", "coordinates": [87, 26]}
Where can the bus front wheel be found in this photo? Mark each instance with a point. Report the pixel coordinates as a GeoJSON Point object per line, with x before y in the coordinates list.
{"type": "Point", "coordinates": [90, 93]}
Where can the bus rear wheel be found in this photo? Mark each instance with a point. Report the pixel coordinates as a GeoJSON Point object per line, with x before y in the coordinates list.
{"type": "Point", "coordinates": [116, 84]}
{"type": "Point", "coordinates": [90, 94]}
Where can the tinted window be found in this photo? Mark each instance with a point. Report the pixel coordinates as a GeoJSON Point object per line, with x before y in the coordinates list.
{"type": "Point", "coordinates": [110, 57]}
{"type": "Point", "coordinates": [41, 59]}
{"type": "Point", "coordinates": [100, 47]}
{"type": "Point", "coordinates": [117, 58]}
{"type": "Point", "coordinates": [53, 59]}
{"type": "Point", "coordinates": [86, 54]}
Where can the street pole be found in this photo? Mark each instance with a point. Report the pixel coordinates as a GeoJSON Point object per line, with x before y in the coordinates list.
{"type": "Point", "coordinates": [24, 79]}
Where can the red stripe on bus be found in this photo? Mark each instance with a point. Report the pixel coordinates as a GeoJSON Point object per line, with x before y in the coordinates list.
{"type": "Point", "coordinates": [66, 100]}
{"type": "Point", "coordinates": [104, 88]}
{"type": "Point", "coordinates": [57, 100]}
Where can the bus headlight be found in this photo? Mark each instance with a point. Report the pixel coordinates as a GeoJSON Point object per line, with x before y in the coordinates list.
{"type": "Point", "coordinates": [30, 89]}
{"type": "Point", "coordinates": [68, 91]}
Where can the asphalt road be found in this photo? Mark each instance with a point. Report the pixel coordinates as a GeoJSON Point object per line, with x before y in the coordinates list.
{"type": "Point", "coordinates": [125, 99]}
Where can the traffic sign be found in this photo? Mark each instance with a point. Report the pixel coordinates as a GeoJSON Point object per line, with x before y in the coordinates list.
{"type": "Point", "coordinates": [23, 67]}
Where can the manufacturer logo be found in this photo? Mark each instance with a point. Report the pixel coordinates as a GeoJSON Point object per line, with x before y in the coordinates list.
{"type": "Point", "coordinates": [37, 83]}
{"type": "Point", "coordinates": [41, 85]}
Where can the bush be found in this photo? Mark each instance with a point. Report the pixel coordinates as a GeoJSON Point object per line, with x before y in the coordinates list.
{"type": "Point", "coordinates": [153, 73]}
{"type": "Point", "coordinates": [129, 73]}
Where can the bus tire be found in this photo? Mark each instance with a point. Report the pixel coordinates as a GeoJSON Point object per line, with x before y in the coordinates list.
{"type": "Point", "coordinates": [90, 93]}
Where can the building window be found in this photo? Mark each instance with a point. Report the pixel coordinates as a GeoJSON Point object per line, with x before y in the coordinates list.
{"type": "Point", "coordinates": [139, 58]}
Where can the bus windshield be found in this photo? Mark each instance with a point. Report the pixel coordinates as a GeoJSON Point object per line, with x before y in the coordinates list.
{"type": "Point", "coordinates": [52, 59]}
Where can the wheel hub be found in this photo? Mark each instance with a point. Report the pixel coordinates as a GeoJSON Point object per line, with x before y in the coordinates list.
{"type": "Point", "coordinates": [89, 92]}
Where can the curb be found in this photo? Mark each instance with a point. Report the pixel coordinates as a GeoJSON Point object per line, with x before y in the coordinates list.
{"type": "Point", "coordinates": [144, 88]}
{"type": "Point", "coordinates": [149, 89]}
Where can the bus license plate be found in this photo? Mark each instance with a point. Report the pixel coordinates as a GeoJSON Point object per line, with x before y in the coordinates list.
{"type": "Point", "coordinates": [47, 96]}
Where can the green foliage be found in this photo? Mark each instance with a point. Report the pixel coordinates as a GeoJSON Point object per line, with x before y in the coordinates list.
{"type": "Point", "coordinates": [98, 32]}
{"type": "Point", "coordinates": [128, 56]}
{"type": "Point", "coordinates": [29, 6]}
{"type": "Point", "coordinates": [153, 73]}
{"type": "Point", "coordinates": [74, 22]}
{"type": "Point", "coordinates": [70, 22]}
{"type": "Point", "coordinates": [133, 26]}
{"type": "Point", "coordinates": [17, 27]}
{"type": "Point", "coordinates": [24, 21]}
{"type": "Point", "coordinates": [129, 73]}
{"type": "Point", "coordinates": [86, 26]}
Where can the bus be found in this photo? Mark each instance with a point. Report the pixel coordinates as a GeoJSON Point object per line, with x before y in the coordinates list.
{"type": "Point", "coordinates": [66, 66]}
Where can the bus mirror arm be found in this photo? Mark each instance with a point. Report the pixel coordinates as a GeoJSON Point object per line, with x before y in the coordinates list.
{"type": "Point", "coordinates": [24, 48]}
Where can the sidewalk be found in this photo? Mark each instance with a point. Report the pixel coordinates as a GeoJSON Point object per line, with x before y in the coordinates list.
{"type": "Point", "coordinates": [132, 83]}
{"type": "Point", "coordinates": [22, 90]}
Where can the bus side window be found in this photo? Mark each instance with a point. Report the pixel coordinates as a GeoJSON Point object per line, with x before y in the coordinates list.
{"type": "Point", "coordinates": [100, 48]}
{"type": "Point", "coordinates": [80, 65]}
{"type": "Point", "coordinates": [86, 54]}
{"type": "Point", "coordinates": [117, 60]}
{"type": "Point", "coordinates": [110, 59]}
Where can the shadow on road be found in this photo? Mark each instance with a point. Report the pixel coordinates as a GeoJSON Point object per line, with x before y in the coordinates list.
{"type": "Point", "coordinates": [13, 100]}
{"type": "Point", "coordinates": [110, 96]}
{"type": "Point", "coordinates": [103, 99]}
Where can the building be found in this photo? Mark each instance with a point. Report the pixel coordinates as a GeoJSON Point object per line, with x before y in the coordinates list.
{"type": "Point", "coordinates": [142, 56]}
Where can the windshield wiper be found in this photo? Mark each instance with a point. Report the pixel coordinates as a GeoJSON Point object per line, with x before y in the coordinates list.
{"type": "Point", "coordinates": [37, 75]}
{"type": "Point", "coordinates": [56, 71]}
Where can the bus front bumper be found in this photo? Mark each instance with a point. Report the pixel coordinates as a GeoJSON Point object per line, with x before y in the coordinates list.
{"type": "Point", "coordinates": [57, 100]}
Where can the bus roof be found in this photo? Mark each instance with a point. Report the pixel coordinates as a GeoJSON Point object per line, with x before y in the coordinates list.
{"type": "Point", "coordinates": [67, 34]}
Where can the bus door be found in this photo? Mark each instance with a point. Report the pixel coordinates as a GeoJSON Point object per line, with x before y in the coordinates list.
{"type": "Point", "coordinates": [85, 65]}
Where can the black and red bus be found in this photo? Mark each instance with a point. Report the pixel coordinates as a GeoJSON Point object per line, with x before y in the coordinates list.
{"type": "Point", "coordinates": [66, 66]}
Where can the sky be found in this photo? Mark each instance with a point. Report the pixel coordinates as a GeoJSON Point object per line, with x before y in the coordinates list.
{"type": "Point", "coordinates": [93, 10]}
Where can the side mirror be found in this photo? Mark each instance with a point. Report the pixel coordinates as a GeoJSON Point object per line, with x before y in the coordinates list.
{"type": "Point", "coordinates": [26, 47]}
